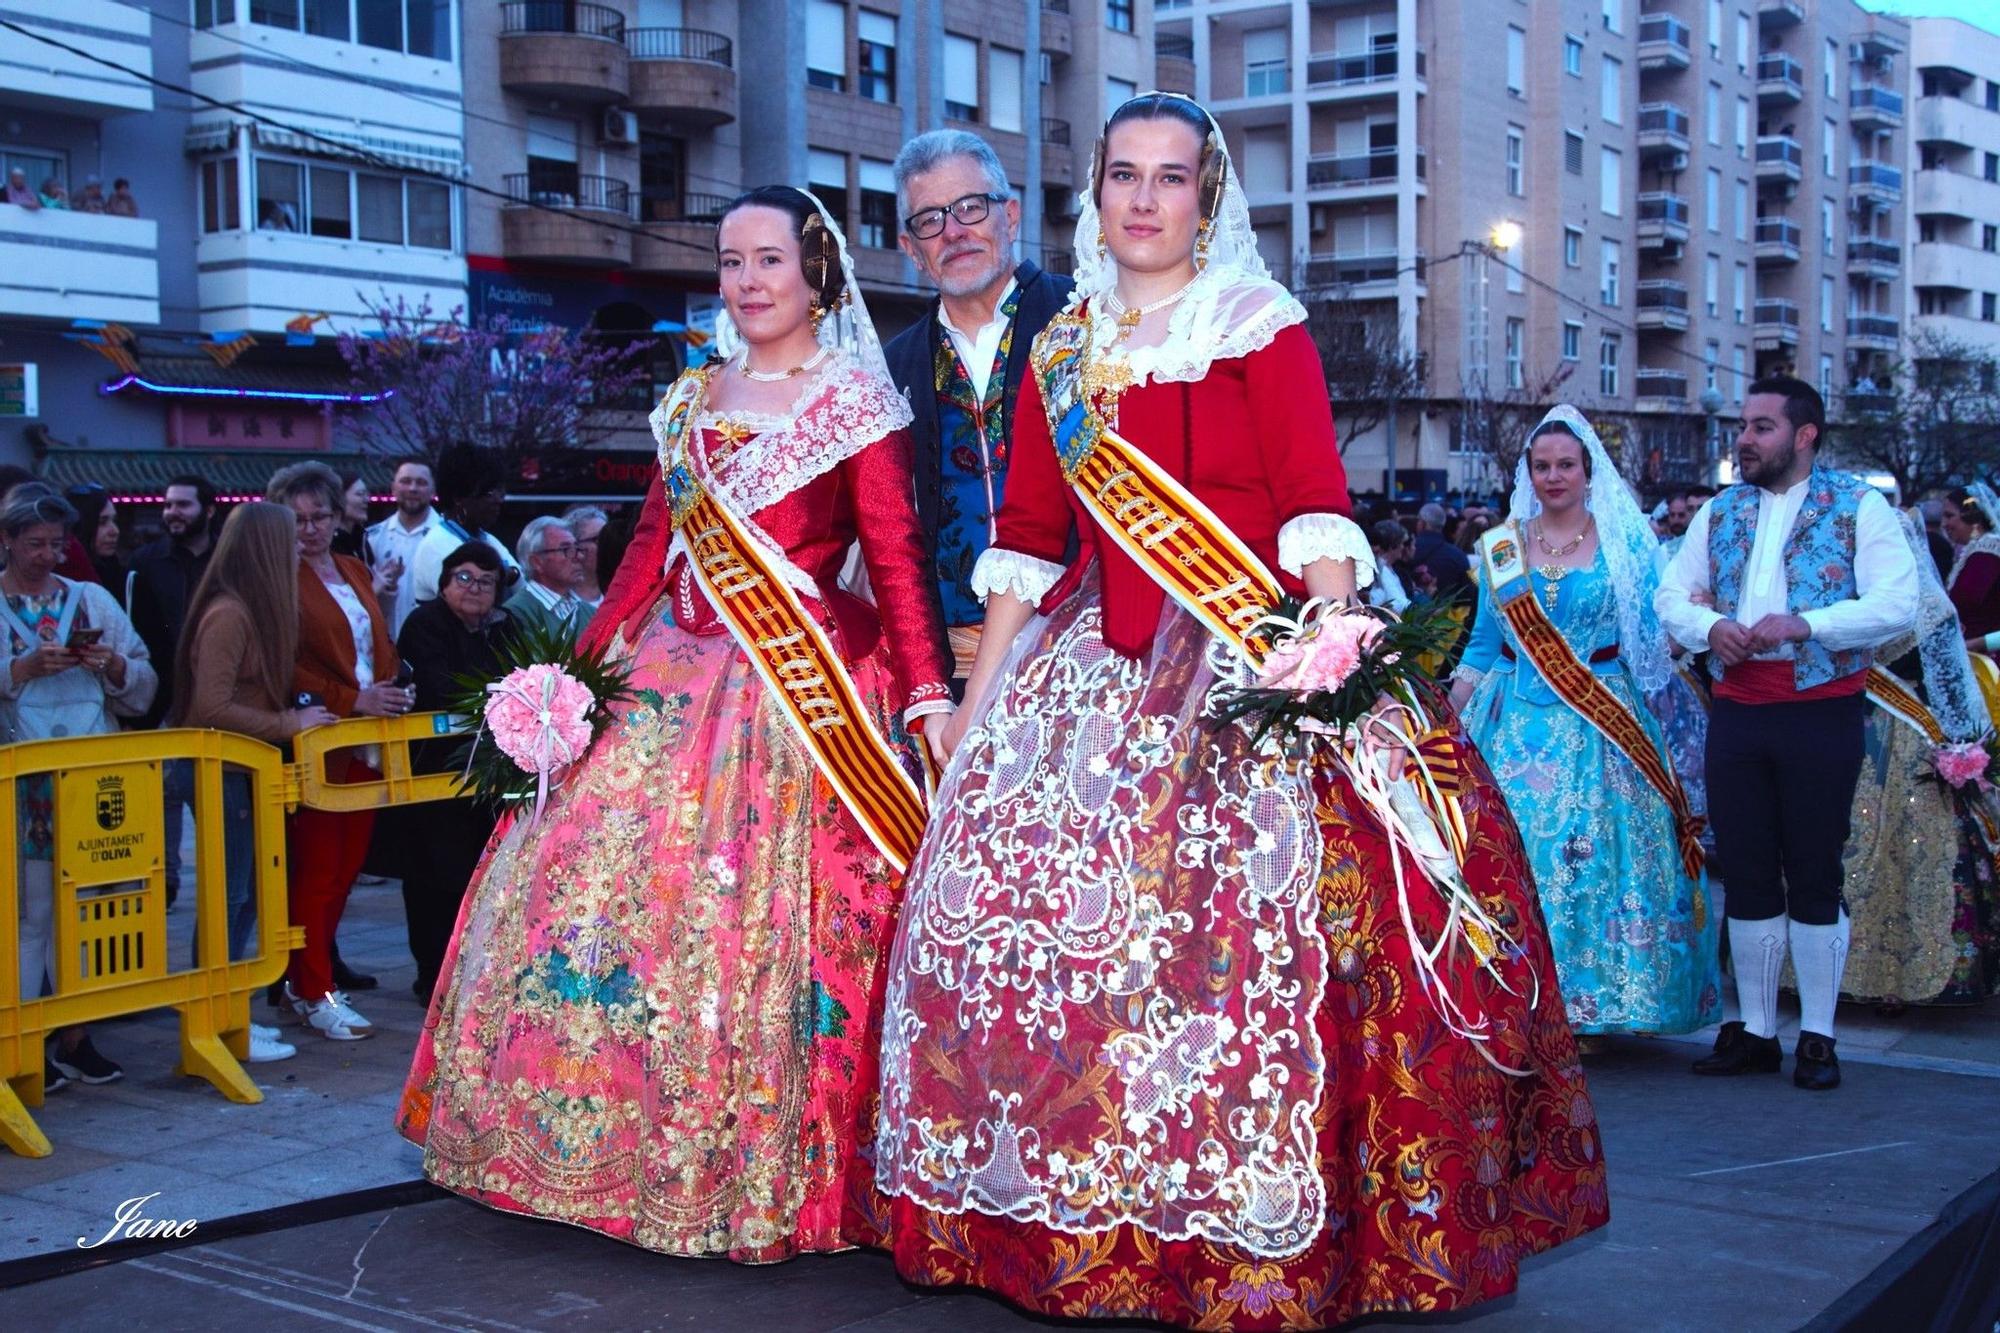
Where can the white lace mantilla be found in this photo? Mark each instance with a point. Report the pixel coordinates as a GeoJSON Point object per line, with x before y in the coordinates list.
{"type": "Point", "coordinates": [1311, 537]}
{"type": "Point", "coordinates": [1225, 314]}
{"type": "Point", "coordinates": [1001, 570]}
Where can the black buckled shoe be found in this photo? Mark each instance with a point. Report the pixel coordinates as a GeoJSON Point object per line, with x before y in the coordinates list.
{"type": "Point", "coordinates": [1814, 1065]}
{"type": "Point", "coordinates": [1737, 1052]}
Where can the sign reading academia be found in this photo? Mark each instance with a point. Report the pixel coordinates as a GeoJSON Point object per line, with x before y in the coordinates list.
{"type": "Point", "coordinates": [109, 825]}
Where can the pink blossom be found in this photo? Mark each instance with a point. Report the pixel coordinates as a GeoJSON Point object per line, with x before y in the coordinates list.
{"type": "Point", "coordinates": [1963, 763]}
{"type": "Point", "coordinates": [1324, 657]}
{"type": "Point", "coordinates": [540, 717]}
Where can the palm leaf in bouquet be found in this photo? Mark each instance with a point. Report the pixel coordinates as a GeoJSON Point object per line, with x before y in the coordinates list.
{"type": "Point", "coordinates": [536, 715]}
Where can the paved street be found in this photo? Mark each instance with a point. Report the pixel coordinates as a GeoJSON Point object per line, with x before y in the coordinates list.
{"type": "Point", "coordinates": [1735, 1206]}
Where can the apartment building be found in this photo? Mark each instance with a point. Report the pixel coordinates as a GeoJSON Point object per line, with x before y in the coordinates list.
{"type": "Point", "coordinates": [1954, 275]}
{"type": "Point", "coordinates": [1690, 192]}
{"type": "Point", "coordinates": [621, 129]}
{"type": "Point", "coordinates": [328, 184]}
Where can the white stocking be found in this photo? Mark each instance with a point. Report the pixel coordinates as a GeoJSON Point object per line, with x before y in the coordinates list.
{"type": "Point", "coordinates": [1732, 1008]}
{"type": "Point", "coordinates": [1757, 949]}
{"type": "Point", "coordinates": [1819, 955]}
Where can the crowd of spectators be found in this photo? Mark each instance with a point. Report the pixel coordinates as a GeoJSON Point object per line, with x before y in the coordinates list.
{"type": "Point", "coordinates": [283, 614]}
{"type": "Point", "coordinates": [53, 194]}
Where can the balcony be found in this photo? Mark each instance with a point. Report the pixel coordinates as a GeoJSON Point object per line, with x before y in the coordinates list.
{"type": "Point", "coordinates": [1058, 37]}
{"type": "Point", "coordinates": [1663, 129]}
{"type": "Point", "coordinates": [1881, 333]}
{"type": "Point", "coordinates": [1952, 121]}
{"type": "Point", "coordinates": [1875, 43]}
{"type": "Point", "coordinates": [563, 50]}
{"type": "Point", "coordinates": [559, 218]}
{"type": "Point", "coordinates": [1665, 44]}
{"type": "Point", "coordinates": [1875, 185]}
{"type": "Point", "coordinates": [1780, 80]}
{"type": "Point", "coordinates": [1874, 258]}
{"type": "Point", "coordinates": [1867, 402]}
{"type": "Point", "coordinates": [1350, 270]}
{"type": "Point", "coordinates": [1350, 171]}
{"type": "Point", "coordinates": [1955, 194]}
{"type": "Point", "coordinates": [67, 266]}
{"type": "Point", "coordinates": [1776, 15]}
{"type": "Point", "coordinates": [680, 233]}
{"type": "Point", "coordinates": [1663, 305]}
{"type": "Point", "coordinates": [1780, 160]}
{"type": "Point", "coordinates": [1058, 157]}
{"type": "Point", "coordinates": [1869, 107]}
{"type": "Point", "coordinates": [1350, 69]}
{"type": "Point", "coordinates": [682, 74]}
{"type": "Point", "coordinates": [51, 80]}
{"type": "Point", "coordinates": [1661, 390]}
{"type": "Point", "coordinates": [1777, 242]}
{"type": "Point", "coordinates": [1663, 220]}
{"type": "Point", "coordinates": [1777, 325]}
{"type": "Point", "coordinates": [1173, 63]}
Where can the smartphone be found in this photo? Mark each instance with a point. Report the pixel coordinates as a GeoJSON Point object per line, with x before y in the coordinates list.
{"type": "Point", "coordinates": [85, 637]}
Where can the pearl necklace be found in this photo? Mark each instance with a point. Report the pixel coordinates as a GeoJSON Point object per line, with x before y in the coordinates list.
{"type": "Point", "coordinates": [780, 376]}
{"type": "Point", "coordinates": [1128, 319]}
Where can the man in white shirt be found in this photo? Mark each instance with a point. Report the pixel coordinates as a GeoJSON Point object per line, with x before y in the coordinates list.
{"type": "Point", "coordinates": [961, 369]}
{"type": "Point", "coordinates": [396, 538]}
{"type": "Point", "coordinates": [471, 485]}
{"type": "Point", "coordinates": [1789, 579]}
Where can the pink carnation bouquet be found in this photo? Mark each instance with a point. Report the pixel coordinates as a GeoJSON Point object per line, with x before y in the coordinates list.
{"type": "Point", "coordinates": [1966, 764]}
{"type": "Point", "coordinates": [549, 701]}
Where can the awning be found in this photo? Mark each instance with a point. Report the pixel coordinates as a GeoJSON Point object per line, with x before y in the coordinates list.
{"type": "Point", "coordinates": [350, 147]}
{"type": "Point", "coordinates": [217, 136]}
{"type": "Point", "coordinates": [142, 474]}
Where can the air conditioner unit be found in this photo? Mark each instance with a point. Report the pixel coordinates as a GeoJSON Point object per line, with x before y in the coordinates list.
{"type": "Point", "coordinates": [1676, 162]}
{"type": "Point", "coordinates": [620, 126]}
{"type": "Point", "coordinates": [1856, 51]}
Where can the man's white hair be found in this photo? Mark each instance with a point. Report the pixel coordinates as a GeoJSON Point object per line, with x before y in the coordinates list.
{"type": "Point", "coordinates": [928, 152]}
{"type": "Point", "coordinates": [530, 543]}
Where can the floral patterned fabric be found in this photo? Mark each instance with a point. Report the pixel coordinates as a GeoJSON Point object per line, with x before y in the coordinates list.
{"type": "Point", "coordinates": [1048, 1127]}
{"type": "Point", "coordinates": [656, 1019]}
{"type": "Point", "coordinates": [1607, 866]}
{"type": "Point", "coordinates": [972, 468]}
{"type": "Point", "coordinates": [1921, 882]}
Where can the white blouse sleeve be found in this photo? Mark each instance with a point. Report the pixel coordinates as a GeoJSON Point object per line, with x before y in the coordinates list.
{"type": "Point", "coordinates": [1311, 537]}
{"type": "Point", "coordinates": [1002, 570]}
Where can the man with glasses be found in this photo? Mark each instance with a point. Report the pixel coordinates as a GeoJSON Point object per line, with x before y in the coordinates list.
{"type": "Point", "coordinates": [962, 367]}
{"type": "Point", "coordinates": [588, 523]}
{"type": "Point", "coordinates": [547, 598]}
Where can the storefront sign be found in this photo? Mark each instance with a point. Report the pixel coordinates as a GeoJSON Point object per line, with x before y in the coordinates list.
{"type": "Point", "coordinates": [20, 394]}
{"type": "Point", "coordinates": [246, 424]}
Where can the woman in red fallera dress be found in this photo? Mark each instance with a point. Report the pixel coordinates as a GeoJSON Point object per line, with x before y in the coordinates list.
{"type": "Point", "coordinates": [657, 1019]}
{"type": "Point", "coordinates": [1156, 1043]}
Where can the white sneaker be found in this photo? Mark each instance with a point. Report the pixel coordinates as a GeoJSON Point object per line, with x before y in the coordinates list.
{"type": "Point", "coordinates": [335, 1020]}
{"type": "Point", "coordinates": [266, 1050]}
{"type": "Point", "coordinates": [292, 1003]}
{"type": "Point", "coordinates": [267, 1033]}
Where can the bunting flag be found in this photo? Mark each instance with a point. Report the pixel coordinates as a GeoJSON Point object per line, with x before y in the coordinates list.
{"type": "Point", "coordinates": [299, 328]}
{"type": "Point", "coordinates": [695, 339]}
{"type": "Point", "coordinates": [225, 347]}
{"type": "Point", "coordinates": [113, 342]}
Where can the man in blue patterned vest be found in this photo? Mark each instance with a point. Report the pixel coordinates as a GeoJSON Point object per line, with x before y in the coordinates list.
{"type": "Point", "coordinates": [1789, 580]}
{"type": "Point", "coordinates": [961, 366]}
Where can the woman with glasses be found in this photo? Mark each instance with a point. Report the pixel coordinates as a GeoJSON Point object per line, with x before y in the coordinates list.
{"type": "Point", "coordinates": [460, 633]}
{"type": "Point", "coordinates": [346, 661]}
{"type": "Point", "coordinates": [1164, 1038]}
{"type": "Point", "coordinates": [70, 665]}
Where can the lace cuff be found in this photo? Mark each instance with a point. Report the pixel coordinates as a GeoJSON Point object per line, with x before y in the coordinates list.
{"type": "Point", "coordinates": [1465, 675]}
{"type": "Point", "coordinates": [1311, 537]}
{"type": "Point", "coordinates": [1002, 570]}
{"type": "Point", "coordinates": [928, 707]}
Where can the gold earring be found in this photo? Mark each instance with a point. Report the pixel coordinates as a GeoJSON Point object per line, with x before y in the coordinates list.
{"type": "Point", "coordinates": [816, 313]}
{"type": "Point", "coordinates": [1202, 235]}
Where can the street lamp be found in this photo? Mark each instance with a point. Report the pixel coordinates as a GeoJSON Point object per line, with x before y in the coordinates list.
{"type": "Point", "coordinates": [1505, 235]}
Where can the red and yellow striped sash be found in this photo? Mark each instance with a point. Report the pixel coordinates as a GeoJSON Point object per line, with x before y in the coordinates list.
{"type": "Point", "coordinates": [1891, 695]}
{"type": "Point", "coordinates": [1579, 687]}
{"type": "Point", "coordinates": [805, 675]}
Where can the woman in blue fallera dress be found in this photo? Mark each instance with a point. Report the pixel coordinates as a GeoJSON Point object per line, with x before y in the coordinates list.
{"type": "Point", "coordinates": [1634, 934]}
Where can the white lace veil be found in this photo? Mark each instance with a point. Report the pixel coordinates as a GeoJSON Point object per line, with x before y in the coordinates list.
{"type": "Point", "coordinates": [1989, 503]}
{"type": "Point", "coordinates": [1950, 688]}
{"type": "Point", "coordinates": [846, 328]}
{"type": "Point", "coordinates": [1234, 306]}
{"type": "Point", "coordinates": [1631, 551]}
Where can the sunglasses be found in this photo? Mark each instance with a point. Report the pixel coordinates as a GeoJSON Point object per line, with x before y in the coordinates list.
{"type": "Point", "coordinates": [970, 212]}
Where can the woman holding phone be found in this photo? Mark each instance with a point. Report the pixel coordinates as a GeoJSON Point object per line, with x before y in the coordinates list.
{"type": "Point", "coordinates": [70, 665]}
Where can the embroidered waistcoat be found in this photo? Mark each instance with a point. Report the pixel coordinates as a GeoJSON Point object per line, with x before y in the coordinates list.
{"type": "Point", "coordinates": [972, 470]}
{"type": "Point", "coordinates": [1819, 564]}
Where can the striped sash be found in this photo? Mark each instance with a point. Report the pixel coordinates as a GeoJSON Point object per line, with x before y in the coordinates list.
{"type": "Point", "coordinates": [791, 652]}
{"type": "Point", "coordinates": [1579, 687]}
{"type": "Point", "coordinates": [1893, 697]}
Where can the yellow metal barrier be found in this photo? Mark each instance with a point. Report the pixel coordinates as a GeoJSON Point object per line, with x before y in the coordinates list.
{"type": "Point", "coordinates": [107, 882]}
